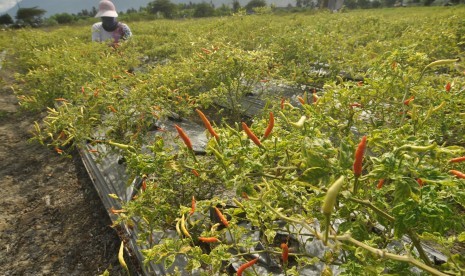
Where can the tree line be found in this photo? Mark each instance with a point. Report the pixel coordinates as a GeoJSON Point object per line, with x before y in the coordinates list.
{"type": "Point", "coordinates": [167, 9]}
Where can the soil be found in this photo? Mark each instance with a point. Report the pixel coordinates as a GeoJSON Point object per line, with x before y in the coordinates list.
{"type": "Point", "coordinates": [52, 221]}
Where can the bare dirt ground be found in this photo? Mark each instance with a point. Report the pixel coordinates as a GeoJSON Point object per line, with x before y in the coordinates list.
{"type": "Point", "coordinates": [52, 221]}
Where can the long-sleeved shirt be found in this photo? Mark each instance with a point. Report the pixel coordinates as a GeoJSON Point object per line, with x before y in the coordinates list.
{"type": "Point", "coordinates": [122, 32]}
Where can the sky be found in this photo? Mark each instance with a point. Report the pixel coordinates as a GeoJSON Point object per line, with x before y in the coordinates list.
{"type": "Point", "coordinates": [6, 5]}
{"type": "Point", "coordinates": [75, 6]}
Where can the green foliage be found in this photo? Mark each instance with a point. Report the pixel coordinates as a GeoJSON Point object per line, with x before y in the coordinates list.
{"type": "Point", "coordinates": [6, 19]}
{"type": "Point", "coordinates": [30, 16]}
{"type": "Point", "coordinates": [271, 193]}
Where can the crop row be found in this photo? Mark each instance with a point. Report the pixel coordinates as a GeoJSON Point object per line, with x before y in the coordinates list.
{"type": "Point", "coordinates": [326, 81]}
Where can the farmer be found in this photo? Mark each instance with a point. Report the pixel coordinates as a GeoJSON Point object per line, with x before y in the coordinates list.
{"type": "Point", "coordinates": [109, 28]}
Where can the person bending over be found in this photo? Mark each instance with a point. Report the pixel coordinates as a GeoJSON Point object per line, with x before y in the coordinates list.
{"type": "Point", "coordinates": [109, 28]}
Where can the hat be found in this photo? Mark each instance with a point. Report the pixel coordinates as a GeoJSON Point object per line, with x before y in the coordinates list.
{"type": "Point", "coordinates": [106, 9]}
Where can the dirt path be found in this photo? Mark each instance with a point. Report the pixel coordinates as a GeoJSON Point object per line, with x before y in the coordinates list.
{"type": "Point", "coordinates": [52, 221]}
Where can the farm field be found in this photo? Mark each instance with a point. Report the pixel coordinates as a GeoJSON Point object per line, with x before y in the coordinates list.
{"type": "Point", "coordinates": [353, 163]}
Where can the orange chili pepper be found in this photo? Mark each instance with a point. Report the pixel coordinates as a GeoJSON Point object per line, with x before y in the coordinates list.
{"type": "Point", "coordinates": [207, 124]}
{"type": "Point", "coordinates": [222, 217]}
{"type": "Point", "coordinates": [245, 266]}
{"type": "Point", "coordinates": [420, 182]}
{"type": "Point", "coordinates": [206, 51]}
{"type": "Point", "coordinates": [459, 174]}
{"type": "Point", "coordinates": [209, 239]}
{"type": "Point", "coordinates": [251, 135]}
{"type": "Point", "coordinates": [184, 137]}
{"type": "Point", "coordinates": [192, 206]}
{"type": "Point", "coordinates": [380, 184]}
{"type": "Point", "coordinates": [359, 157]}
{"type": "Point", "coordinates": [407, 101]}
{"type": "Point", "coordinates": [448, 87]}
{"type": "Point", "coordinates": [144, 184]}
{"type": "Point", "coordinates": [112, 109]}
{"type": "Point", "coordinates": [301, 100]}
{"type": "Point", "coordinates": [283, 100]}
{"type": "Point", "coordinates": [457, 159]}
{"type": "Point", "coordinates": [269, 127]}
{"type": "Point", "coordinates": [285, 253]}
{"type": "Point", "coordinates": [195, 172]}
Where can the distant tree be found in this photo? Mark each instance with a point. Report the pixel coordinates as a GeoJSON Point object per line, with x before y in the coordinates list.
{"type": "Point", "coordinates": [204, 10]}
{"type": "Point", "coordinates": [63, 18]}
{"type": "Point", "coordinates": [236, 5]}
{"type": "Point", "coordinates": [30, 16]}
{"type": "Point", "coordinates": [364, 4]}
{"type": "Point", "coordinates": [6, 19]}
{"type": "Point", "coordinates": [389, 3]}
{"type": "Point", "coordinates": [84, 13]}
{"type": "Point", "coordinates": [255, 4]}
{"type": "Point", "coordinates": [93, 12]}
{"type": "Point", "coordinates": [304, 3]}
{"type": "Point", "coordinates": [165, 7]}
{"type": "Point", "coordinates": [131, 10]}
{"type": "Point", "coordinates": [223, 10]}
{"type": "Point", "coordinates": [376, 4]}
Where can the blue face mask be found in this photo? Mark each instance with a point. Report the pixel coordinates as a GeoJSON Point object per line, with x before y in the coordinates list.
{"type": "Point", "coordinates": [109, 24]}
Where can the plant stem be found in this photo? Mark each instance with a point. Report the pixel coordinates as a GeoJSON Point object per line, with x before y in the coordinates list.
{"type": "Point", "coordinates": [411, 234]}
{"type": "Point", "coordinates": [374, 208]}
{"type": "Point", "coordinates": [391, 256]}
{"type": "Point", "coordinates": [355, 186]}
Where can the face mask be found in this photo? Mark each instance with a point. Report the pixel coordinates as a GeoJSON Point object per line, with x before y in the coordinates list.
{"type": "Point", "coordinates": [109, 24]}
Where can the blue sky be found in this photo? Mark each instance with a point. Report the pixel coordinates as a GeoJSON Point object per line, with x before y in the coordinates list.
{"type": "Point", "coordinates": [75, 6]}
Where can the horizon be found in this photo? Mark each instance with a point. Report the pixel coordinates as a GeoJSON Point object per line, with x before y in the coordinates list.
{"type": "Point", "coordinates": [75, 6]}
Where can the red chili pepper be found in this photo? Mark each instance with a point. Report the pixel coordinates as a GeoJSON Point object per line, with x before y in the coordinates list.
{"type": "Point", "coordinates": [207, 124]}
{"type": "Point", "coordinates": [448, 87]}
{"type": "Point", "coordinates": [420, 182]}
{"type": "Point", "coordinates": [301, 100]}
{"type": "Point", "coordinates": [59, 151]}
{"type": "Point", "coordinates": [380, 184]}
{"type": "Point", "coordinates": [283, 100]}
{"type": "Point", "coordinates": [222, 217]}
{"type": "Point", "coordinates": [457, 159]}
{"type": "Point", "coordinates": [360, 83]}
{"type": "Point", "coordinates": [184, 137]}
{"type": "Point", "coordinates": [209, 239]}
{"type": "Point", "coordinates": [195, 172]}
{"type": "Point", "coordinates": [251, 135]}
{"type": "Point", "coordinates": [270, 126]}
{"type": "Point", "coordinates": [359, 156]}
{"type": "Point", "coordinates": [314, 96]}
{"type": "Point", "coordinates": [285, 254]}
{"type": "Point", "coordinates": [407, 101]}
{"type": "Point", "coordinates": [192, 206]}
{"type": "Point", "coordinates": [459, 174]}
{"type": "Point", "coordinates": [245, 266]}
